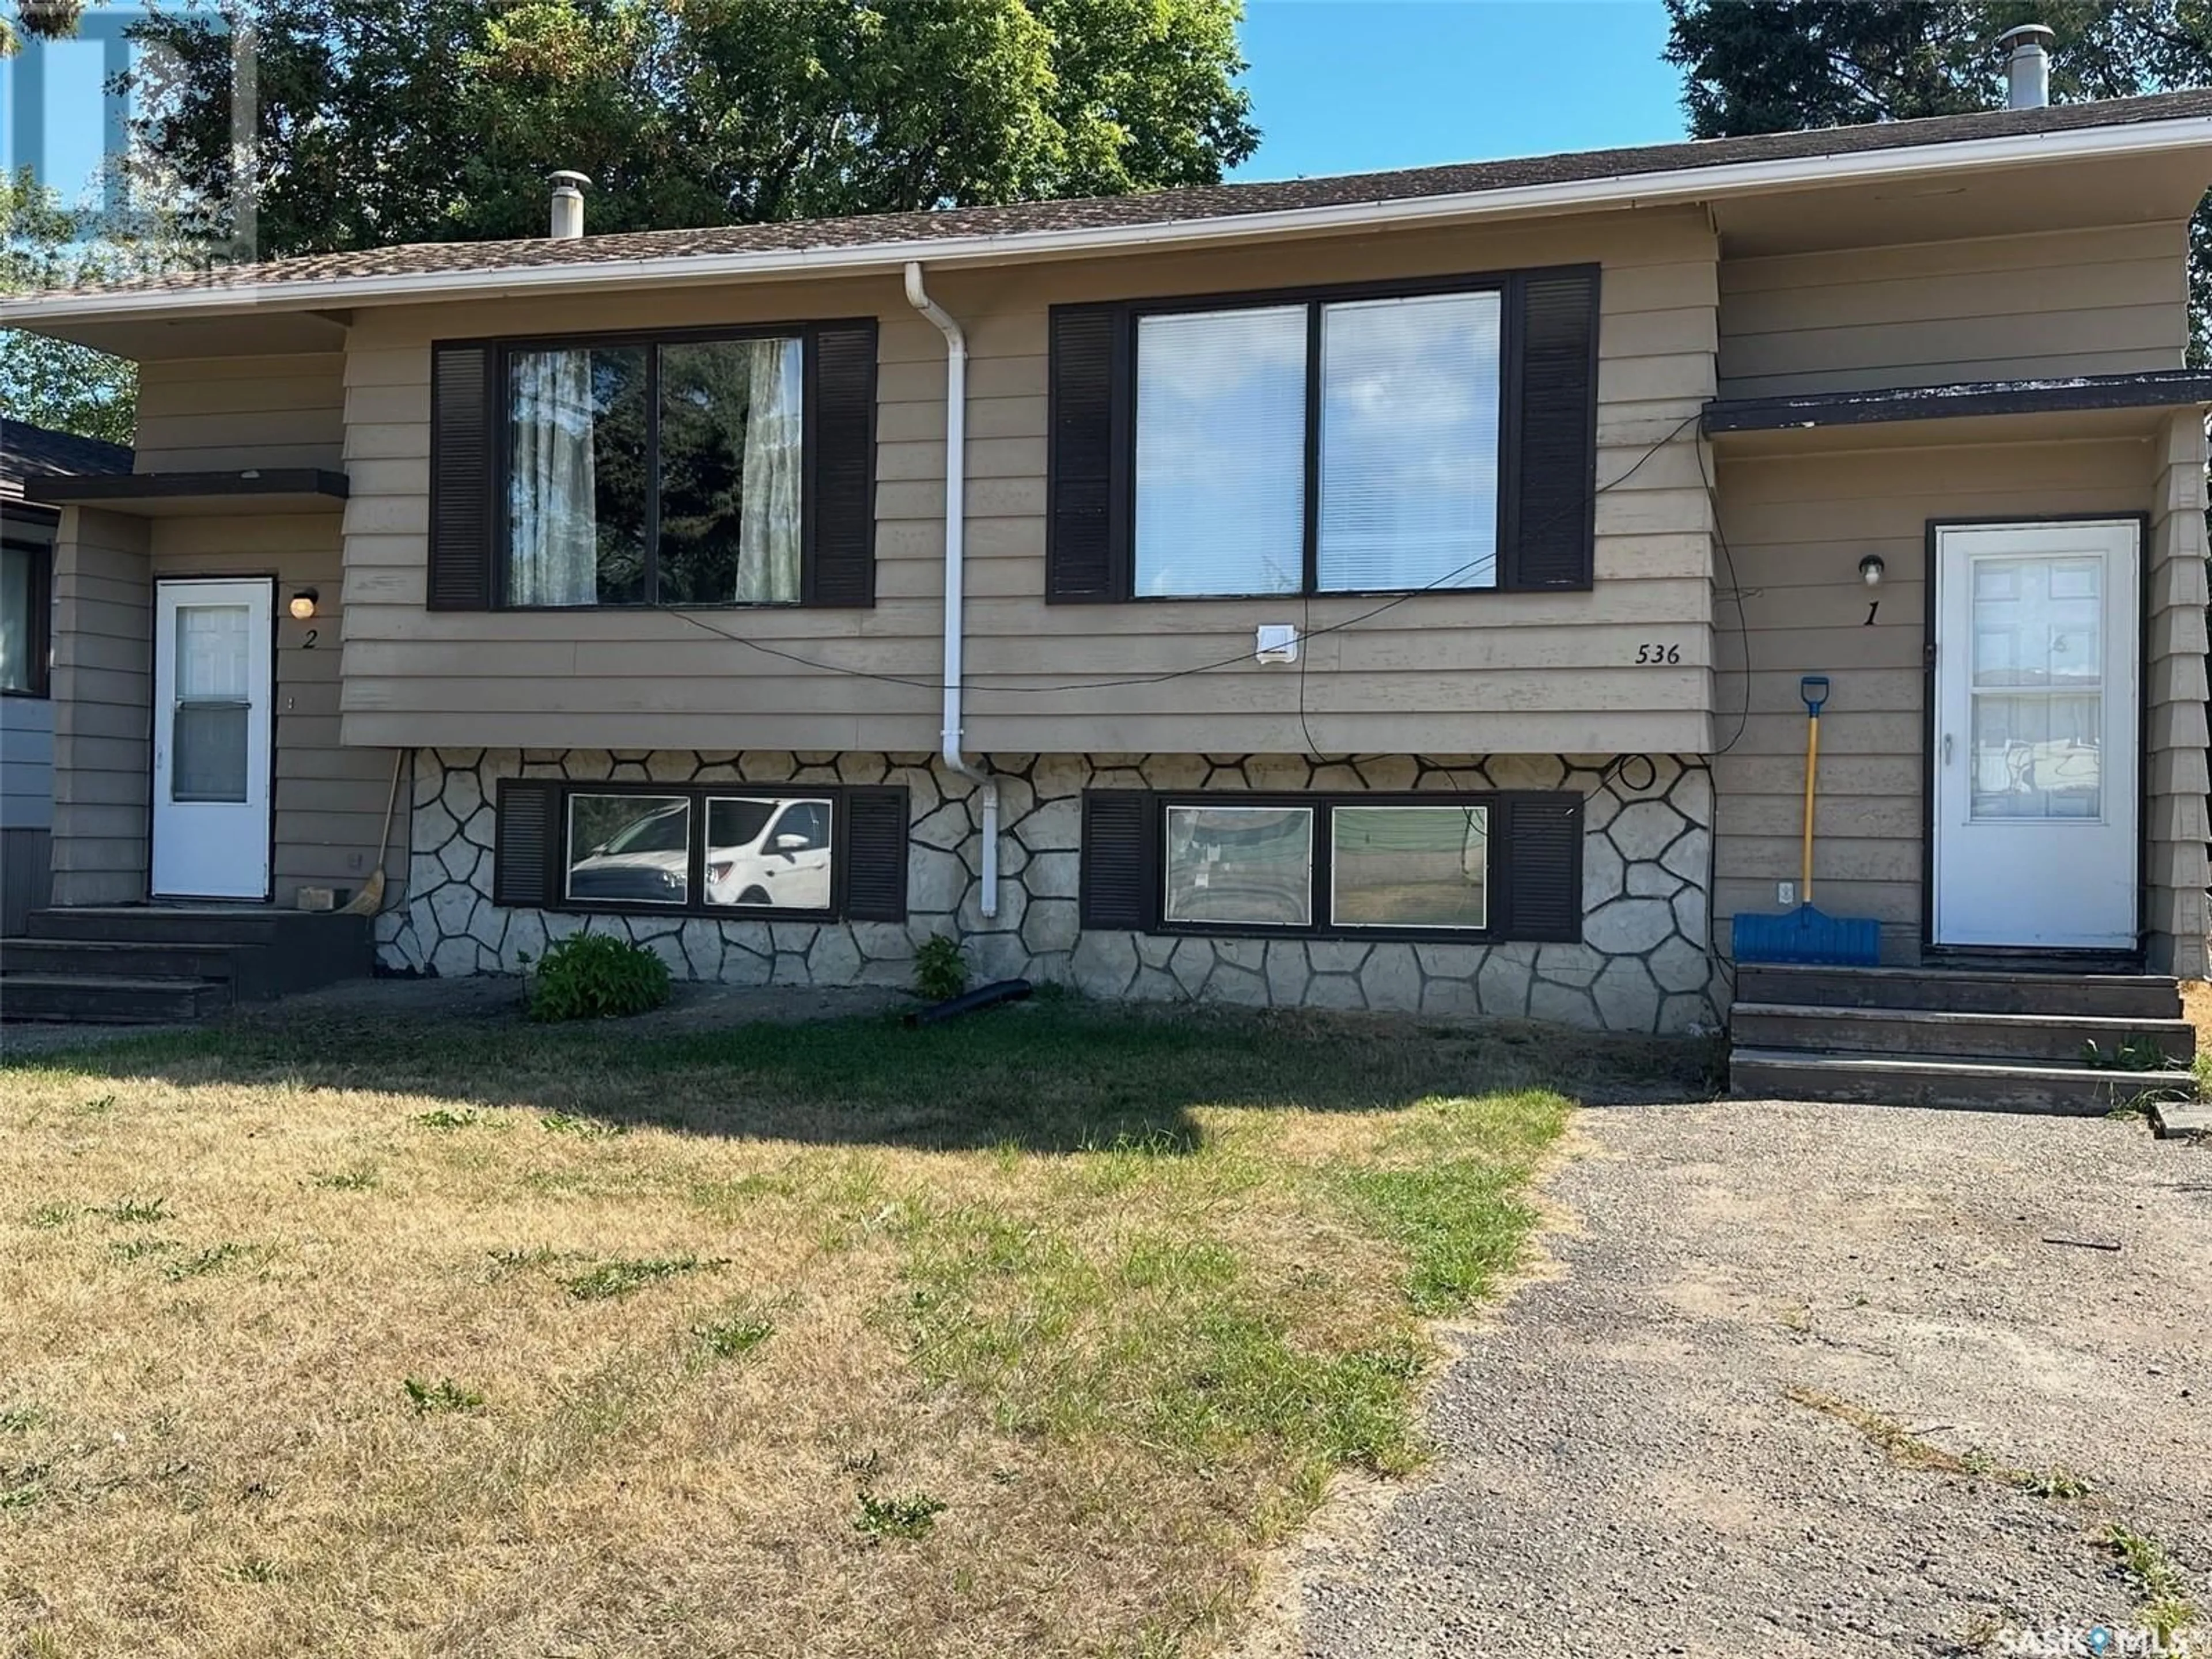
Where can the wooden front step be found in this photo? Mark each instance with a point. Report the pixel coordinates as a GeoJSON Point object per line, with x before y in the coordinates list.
{"type": "Point", "coordinates": [249, 970]}
{"type": "Point", "coordinates": [1919, 1080]}
{"type": "Point", "coordinates": [2102, 996]}
{"type": "Point", "coordinates": [162, 963]}
{"type": "Point", "coordinates": [2033, 1038]}
{"type": "Point", "coordinates": [103, 1000]}
{"type": "Point", "coordinates": [1984, 1037]}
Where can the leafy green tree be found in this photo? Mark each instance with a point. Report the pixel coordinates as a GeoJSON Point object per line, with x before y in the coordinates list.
{"type": "Point", "coordinates": [52, 19]}
{"type": "Point", "coordinates": [57, 383]}
{"type": "Point", "coordinates": [1774, 65]}
{"type": "Point", "coordinates": [387, 121]}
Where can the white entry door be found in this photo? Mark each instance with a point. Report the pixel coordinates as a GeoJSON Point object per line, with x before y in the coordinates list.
{"type": "Point", "coordinates": [212, 646]}
{"type": "Point", "coordinates": [2037, 690]}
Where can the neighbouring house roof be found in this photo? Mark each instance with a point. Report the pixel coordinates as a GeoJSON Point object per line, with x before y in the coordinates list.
{"type": "Point", "coordinates": [1687, 170]}
{"type": "Point", "coordinates": [29, 451]}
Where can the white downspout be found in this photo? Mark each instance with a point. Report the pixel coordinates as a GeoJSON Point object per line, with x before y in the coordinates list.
{"type": "Point", "coordinates": [956, 525]}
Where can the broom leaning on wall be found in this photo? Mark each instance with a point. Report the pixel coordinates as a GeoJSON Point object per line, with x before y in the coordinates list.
{"type": "Point", "coordinates": [370, 899]}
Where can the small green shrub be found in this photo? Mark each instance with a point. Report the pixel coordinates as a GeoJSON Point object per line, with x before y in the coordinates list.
{"type": "Point", "coordinates": [595, 976]}
{"type": "Point", "coordinates": [939, 970]}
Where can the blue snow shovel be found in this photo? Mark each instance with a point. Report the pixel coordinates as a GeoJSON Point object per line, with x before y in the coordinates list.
{"type": "Point", "coordinates": [1805, 934]}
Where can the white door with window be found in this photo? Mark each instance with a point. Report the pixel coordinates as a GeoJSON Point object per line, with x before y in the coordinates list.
{"type": "Point", "coordinates": [2036, 747]}
{"type": "Point", "coordinates": [213, 641]}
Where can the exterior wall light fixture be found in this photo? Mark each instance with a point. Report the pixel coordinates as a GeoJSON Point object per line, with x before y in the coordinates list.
{"type": "Point", "coordinates": [1870, 569]}
{"type": "Point", "coordinates": [303, 603]}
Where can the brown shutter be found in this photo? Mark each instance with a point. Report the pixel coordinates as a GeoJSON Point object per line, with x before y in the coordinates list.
{"type": "Point", "coordinates": [525, 854]}
{"type": "Point", "coordinates": [1537, 864]}
{"type": "Point", "coordinates": [875, 854]}
{"type": "Point", "coordinates": [1551, 516]}
{"type": "Point", "coordinates": [840, 464]}
{"type": "Point", "coordinates": [462, 478]}
{"type": "Point", "coordinates": [1087, 533]}
{"type": "Point", "coordinates": [1117, 858]}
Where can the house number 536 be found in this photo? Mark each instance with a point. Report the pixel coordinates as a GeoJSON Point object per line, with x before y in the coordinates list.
{"type": "Point", "coordinates": [1654, 655]}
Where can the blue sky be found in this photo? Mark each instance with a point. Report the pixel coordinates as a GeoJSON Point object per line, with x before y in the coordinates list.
{"type": "Point", "coordinates": [1338, 86]}
{"type": "Point", "coordinates": [1348, 86]}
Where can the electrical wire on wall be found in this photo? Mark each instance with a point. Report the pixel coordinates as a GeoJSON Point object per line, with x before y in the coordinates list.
{"type": "Point", "coordinates": [1244, 657]}
{"type": "Point", "coordinates": [1735, 594]}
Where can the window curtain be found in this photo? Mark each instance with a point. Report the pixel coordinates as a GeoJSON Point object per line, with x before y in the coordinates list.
{"type": "Point", "coordinates": [553, 485]}
{"type": "Point", "coordinates": [769, 520]}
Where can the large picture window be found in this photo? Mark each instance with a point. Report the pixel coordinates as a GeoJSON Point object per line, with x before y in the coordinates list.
{"type": "Point", "coordinates": [723, 850]}
{"type": "Point", "coordinates": [655, 473]}
{"type": "Point", "coordinates": [1432, 435]}
{"type": "Point", "coordinates": [705, 467]}
{"type": "Point", "coordinates": [1398, 452]}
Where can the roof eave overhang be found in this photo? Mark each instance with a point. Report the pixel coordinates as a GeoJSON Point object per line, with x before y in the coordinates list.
{"type": "Point", "coordinates": [2084, 394]}
{"type": "Point", "coordinates": [1611, 193]}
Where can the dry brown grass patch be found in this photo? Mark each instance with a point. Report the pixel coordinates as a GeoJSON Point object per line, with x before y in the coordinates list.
{"type": "Point", "coordinates": [1118, 1292]}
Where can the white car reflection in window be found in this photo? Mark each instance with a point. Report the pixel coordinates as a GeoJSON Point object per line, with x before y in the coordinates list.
{"type": "Point", "coordinates": [645, 860]}
{"type": "Point", "coordinates": [768, 853]}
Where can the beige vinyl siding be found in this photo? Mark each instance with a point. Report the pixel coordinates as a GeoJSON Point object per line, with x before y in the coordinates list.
{"type": "Point", "coordinates": [633, 678]}
{"type": "Point", "coordinates": [329, 801]}
{"type": "Point", "coordinates": [2174, 692]}
{"type": "Point", "coordinates": [226, 414]}
{"type": "Point", "coordinates": [2061, 302]}
{"type": "Point", "coordinates": [1491, 672]}
{"type": "Point", "coordinates": [1796, 527]}
{"type": "Point", "coordinates": [102, 686]}
{"type": "Point", "coordinates": [1453, 673]}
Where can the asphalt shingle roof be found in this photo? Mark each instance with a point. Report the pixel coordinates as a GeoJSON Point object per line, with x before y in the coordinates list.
{"type": "Point", "coordinates": [1169, 207]}
{"type": "Point", "coordinates": [37, 452]}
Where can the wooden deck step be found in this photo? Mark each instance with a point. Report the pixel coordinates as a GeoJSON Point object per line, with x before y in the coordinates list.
{"type": "Point", "coordinates": [1980, 991]}
{"type": "Point", "coordinates": [165, 962]}
{"type": "Point", "coordinates": [99, 998]}
{"type": "Point", "coordinates": [1938, 1033]}
{"type": "Point", "coordinates": [1920, 1080]}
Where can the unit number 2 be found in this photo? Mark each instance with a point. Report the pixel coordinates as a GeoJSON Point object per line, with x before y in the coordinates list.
{"type": "Point", "coordinates": [1654, 655]}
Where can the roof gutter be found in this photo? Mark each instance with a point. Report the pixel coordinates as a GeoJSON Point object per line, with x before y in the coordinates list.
{"type": "Point", "coordinates": [1616, 191]}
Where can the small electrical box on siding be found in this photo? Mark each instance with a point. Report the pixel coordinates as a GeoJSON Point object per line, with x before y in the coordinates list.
{"type": "Point", "coordinates": [1279, 642]}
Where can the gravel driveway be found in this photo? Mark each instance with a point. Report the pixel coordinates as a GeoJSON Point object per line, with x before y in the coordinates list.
{"type": "Point", "coordinates": [1623, 1467]}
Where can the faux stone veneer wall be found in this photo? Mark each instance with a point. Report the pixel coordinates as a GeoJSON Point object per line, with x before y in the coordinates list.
{"type": "Point", "coordinates": [1645, 963]}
